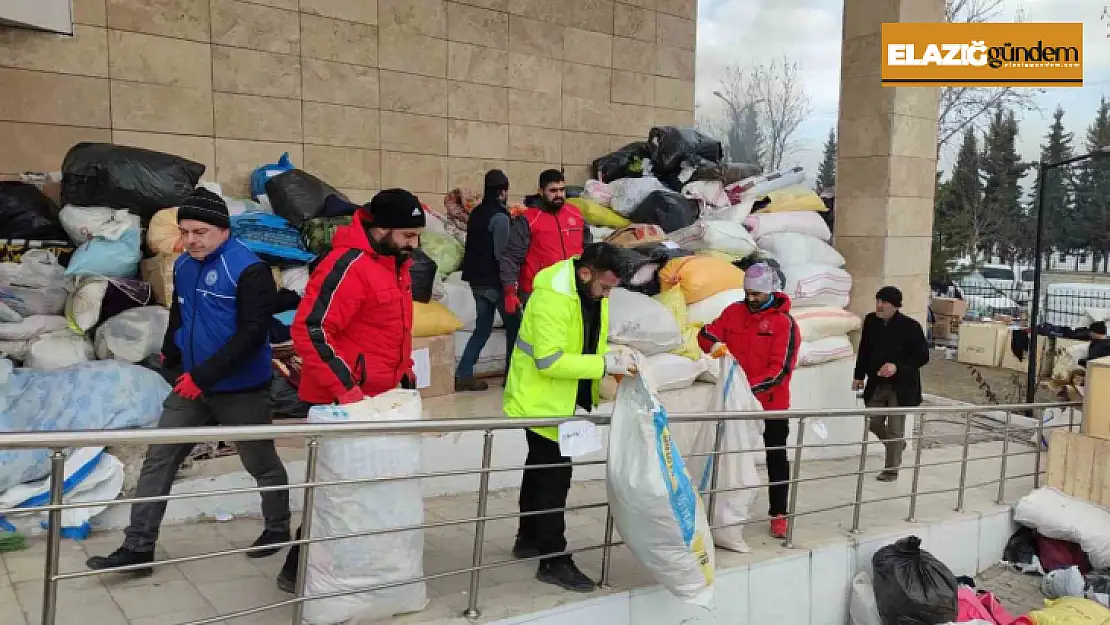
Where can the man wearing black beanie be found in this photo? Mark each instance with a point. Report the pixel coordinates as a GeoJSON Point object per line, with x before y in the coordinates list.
{"type": "Point", "coordinates": [892, 351]}
{"type": "Point", "coordinates": [218, 339]}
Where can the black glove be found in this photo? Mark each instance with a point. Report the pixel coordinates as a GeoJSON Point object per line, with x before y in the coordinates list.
{"type": "Point", "coordinates": [408, 383]}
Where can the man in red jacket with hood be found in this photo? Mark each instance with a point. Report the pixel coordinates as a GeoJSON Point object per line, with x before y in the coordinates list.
{"type": "Point", "coordinates": [760, 333]}
{"type": "Point", "coordinates": [353, 327]}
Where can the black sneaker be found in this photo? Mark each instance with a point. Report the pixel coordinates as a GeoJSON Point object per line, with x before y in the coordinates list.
{"type": "Point", "coordinates": [564, 573]}
{"type": "Point", "coordinates": [287, 581]}
{"type": "Point", "coordinates": [524, 549]}
{"type": "Point", "coordinates": [463, 385]}
{"type": "Point", "coordinates": [123, 557]}
{"type": "Point", "coordinates": [268, 538]}
{"type": "Point", "coordinates": [888, 476]}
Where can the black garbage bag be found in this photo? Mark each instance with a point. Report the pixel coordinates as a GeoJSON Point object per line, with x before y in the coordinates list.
{"type": "Point", "coordinates": [298, 195]}
{"type": "Point", "coordinates": [627, 162]}
{"type": "Point", "coordinates": [669, 210]}
{"type": "Point", "coordinates": [671, 147]}
{"type": "Point", "coordinates": [423, 276]}
{"type": "Point", "coordinates": [119, 176]}
{"type": "Point", "coordinates": [1022, 547]}
{"type": "Point", "coordinates": [639, 266]}
{"type": "Point", "coordinates": [26, 213]}
{"type": "Point", "coordinates": [912, 587]}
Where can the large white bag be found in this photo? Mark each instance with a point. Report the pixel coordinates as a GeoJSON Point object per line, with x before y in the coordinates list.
{"type": "Point", "coordinates": [629, 192]}
{"type": "Point", "coordinates": [802, 222]}
{"type": "Point", "coordinates": [32, 327]}
{"type": "Point", "coordinates": [824, 321]}
{"type": "Point", "coordinates": [1056, 515]}
{"type": "Point", "coordinates": [85, 223]}
{"type": "Point", "coordinates": [642, 323]}
{"type": "Point", "coordinates": [792, 248]}
{"type": "Point", "coordinates": [721, 236]}
{"type": "Point", "coordinates": [34, 286]}
{"type": "Point", "coordinates": [862, 608]}
{"type": "Point", "coordinates": [813, 353]}
{"type": "Point", "coordinates": [133, 334]}
{"type": "Point", "coordinates": [756, 187]}
{"type": "Point", "coordinates": [56, 350]}
{"type": "Point", "coordinates": [710, 309]}
{"type": "Point", "coordinates": [654, 503]}
{"type": "Point", "coordinates": [817, 285]}
{"type": "Point", "coordinates": [352, 563]}
{"type": "Point", "coordinates": [734, 470]}
{"type": "Point", "coordinates": [670, 372]}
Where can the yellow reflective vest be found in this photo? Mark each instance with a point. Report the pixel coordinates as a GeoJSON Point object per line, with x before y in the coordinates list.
{"type": "Point", "coordinates": [547, 360]}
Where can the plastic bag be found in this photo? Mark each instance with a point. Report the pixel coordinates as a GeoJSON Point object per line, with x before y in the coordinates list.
{"type": "Point", "coordinates": [720, 236]}
{"type": "Point", "coordinates": [597, 191]}
{"type": "Point", "coordinates": [1070, 611]}
{"type": "Point", "coordinates": [162, 234]}
{"type": "Point", "coordinates": [56, 350]}
{"type": "Point", "coordinates": [862, 608]}
{"type": "Point", "coordinates": [32, 327]}
{"type": "Point", "coordinates": [626, 162]}
{"type": "Point", "coordinates": [911, 586]}
{"type": "Point", "coordinates": [670, 210]}
{"type": "Point", "coordinates": [654, 503]}
{"type": "Point", "coordinates": [735, 471]}
{"type": "Point", "coordinates": [791, 248]}
{"type": "Point", "coordinates": [423, 272]}
{"type": "Point", "coordinates": [133, 334]}
{"type": "Point", "coordinates": [629, 192]}
{"type": "Point", "coordinates": [700, 277]}
{"type": "Point", "coordinates": [433, 319]}
{"type": "Point", "coordinates": [26, 213]}
{"type": "Point", "coordinates": [260, 175]}
{"type": "Point", "coordinates": [672, 147]}
{"type": "Point", "coordinates": [444, 250]}
{"type": "Point", "coordinates": [671, 372]}
{"type": "Point", "coordinates": [642, 323]}
{"type": "Point", "coordinates": [85, 223]}
{"type": "Point", "coordinates": [34, 286]}
{"type": "Point", "coordinates": [459, 299]}
{"type": "Point", "coordinates": [298, 195]}
{"type": "Point", "coordinates": [271, 237]}
{"type": "Point", "coordinates": [117, 176]}
{"type": "Point", "coordinates": [711, 193]}
{"type": "Point", "coordinates": [376, 559]}
{"type": "Point", "coordinates": [113, 258]}
{"type": "Point", "coordinates": [597, 214]}
{"type": "Point", "coordinates": [317, 232]}
{"type": "Point", "coordinates": [710, 309]}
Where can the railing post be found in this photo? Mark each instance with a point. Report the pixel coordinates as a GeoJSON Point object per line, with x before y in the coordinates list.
{"type": "Point", "coordinates": [472, 611]}
{"type": "Point", "coordinates": [1005, 454]}
{"type": "Point", "coordinates": [794, 484]}
{"type": "Point", "coordinates": [1037, 453]}
{"type": "Point", "coordinates": [718, 440]}
{"type": "Point", "coordinates": [857, 503]}
{"type": "Point", "coordinates": [919, 442]}
{"type": "Point", "coordinates": [606, 551]}
{"type": "Point", "coordinates": [963, 463]}
{"type": "Point", "coordinates": [306, 526]}
{"type": "Point", "coordinates": [53, 537]}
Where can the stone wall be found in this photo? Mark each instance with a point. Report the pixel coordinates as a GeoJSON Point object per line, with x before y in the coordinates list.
{"type": "Point", "coordinates": [367, 94]}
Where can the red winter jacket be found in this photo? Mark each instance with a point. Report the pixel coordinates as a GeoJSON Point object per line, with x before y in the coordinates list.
{"type": "Point", "coordinates": [555, 238]}
{"type": "Point", "coordinates": [354, 323]}
{"type": "Point", "coordinates": [764, 343]}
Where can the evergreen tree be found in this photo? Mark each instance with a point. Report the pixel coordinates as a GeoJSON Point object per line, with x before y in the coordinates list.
{"type": "Point", "coordinates": [1060, 231]}
{"type": "Point", "coordinates": [826, 173]}
{"type": "Point", "coordinates": [1002, 197]}
{"type": "Point", "coordinates": [960, 222]}
{"type": "Point", "coordinates": [746, 143]}
{"type": "Point", "coordinates": [1093, 191]}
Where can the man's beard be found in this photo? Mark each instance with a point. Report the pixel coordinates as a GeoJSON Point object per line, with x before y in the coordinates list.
{"type": "Point", "coordinates": [387, 247]}
{"type": "Point", "coordinates": [555, 204]}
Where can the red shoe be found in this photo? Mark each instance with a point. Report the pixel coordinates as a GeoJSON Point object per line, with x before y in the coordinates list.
{"type": "Point", "coordinates": [778, 526]}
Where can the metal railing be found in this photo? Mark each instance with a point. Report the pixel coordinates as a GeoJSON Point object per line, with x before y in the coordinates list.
{"type": "Point", "coordinates": [57, 442]}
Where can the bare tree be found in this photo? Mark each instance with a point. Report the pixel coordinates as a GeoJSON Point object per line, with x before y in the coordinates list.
{"type": "Point", "coordinates": [779, 97]}
{"type": "Point", "coordinates": [968, 107]}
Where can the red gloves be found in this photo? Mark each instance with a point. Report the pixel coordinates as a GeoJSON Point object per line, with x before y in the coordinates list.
{"type": "Point", "coordinates": [352, 396]}
{"type": "Point", "coordinates": [187, 388]}
{"type": "Point", "coordinates": [512, 300]}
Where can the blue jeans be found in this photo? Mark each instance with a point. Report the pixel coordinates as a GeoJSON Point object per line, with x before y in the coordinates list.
{"type": "Point", "coordinates": [486, 301]}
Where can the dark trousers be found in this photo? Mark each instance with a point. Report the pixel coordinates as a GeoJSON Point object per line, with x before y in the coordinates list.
{"type": "Point", "coordinates": [775, 432]}
{"type": "Point", "coordinates": [487, 301]}
{"type": "Point", "coordinates": [259, 458]}
{"type": "Point", "coordinates": [544, 489]}
{"type": "Point", "coordinates": [890, 429]}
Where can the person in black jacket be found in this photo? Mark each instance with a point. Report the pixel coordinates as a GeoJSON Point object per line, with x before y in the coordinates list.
{"type": "Point", "coordinates": [1099, 346]}
{"type": "Point", "coordinates": [892, 351]}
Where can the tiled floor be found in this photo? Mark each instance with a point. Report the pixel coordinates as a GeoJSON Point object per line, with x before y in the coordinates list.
{"type": "Point", "coordinates": [201, 589]}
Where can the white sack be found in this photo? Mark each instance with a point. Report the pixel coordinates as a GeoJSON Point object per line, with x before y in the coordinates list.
{"type": "Point", "coordinates": [710, 193]}
{"type": "Point", "coordinates": [1056, 515]}
{"type": "Point", "coordinates": [90, 475]}
{"type": "Point", "coordinates": [734, 470]}
{"type": "Point", "coordinates": [818, 352]}
{"type": "Point", "coordinates": [863, 609]}
{"type": "Point", "coordinates": [823, 322]}
{"type": "Point", "coordinates": [629, 192]}
{"type": "Point", "coordinates": [32, 327]}
{"type": "Point", "coordinates": [817, 285]}
{"type": "Point", "coordinates": [34, 286]}
{"type": "Point", "coordinates": [756, 187]}
{"type": "Point", "coordinates": [670, 372]}
{"type": "Point", "coordinates": [654, 504]}
{"type": "Point", "coordinates": [642, 323]}
{"type": "Point", "coordinates": [799, 222]}
{"type": "Point", "coordinates": [352, 563]}
{"type": "Point", "coordinates": [16, 350]}
{"type": "Point", "coordinates": [85, 223]}
{"type": "Point", "coordinates": [792, 248]}
{"type": "Point", "coordinates": [710, 309]}
{"type": "Point", "coordinates": [56, 350]}
{"type": "Point", "coordinates": [452, 297]}
{"type": "Point", "coordinates": [133, 334]}
{"type": "Point", "coordinates": [721, 236]}
{"type": "Point", "coordinates": [598, 191]}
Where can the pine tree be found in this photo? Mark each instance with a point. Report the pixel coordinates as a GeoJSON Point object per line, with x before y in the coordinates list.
{"type": "Point", "coordinates": [826, 173]}
{"type": "Point", "coordinates": [746, 143]}
{"type": "Point", "coordinates": [1060, 219]}
{"type": "Point", "coordinates": [961, 223]}
{"type": "Point", "coordinates": [1002, 172]}
{"type": "Point", "coordinates": [1093, 190]}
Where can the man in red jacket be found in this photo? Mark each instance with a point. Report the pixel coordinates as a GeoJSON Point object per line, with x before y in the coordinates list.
{"type": "Point", "coordinates": [353, 327]}
{"type": "Point", "coordinates": [764, 339]}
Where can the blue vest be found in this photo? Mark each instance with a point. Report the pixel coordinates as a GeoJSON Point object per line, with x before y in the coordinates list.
{"type": "Point", "coordinates": [206, 294]}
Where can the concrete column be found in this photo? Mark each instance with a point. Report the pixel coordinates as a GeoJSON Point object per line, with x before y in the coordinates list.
{"type": "Point", "coordinates": [886, 165]}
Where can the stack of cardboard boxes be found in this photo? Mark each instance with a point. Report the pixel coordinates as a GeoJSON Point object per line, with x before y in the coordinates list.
{"type": "Point", "coordinates": [947, 313]}
{"type": "Point", "coordinates": [1079, 462]}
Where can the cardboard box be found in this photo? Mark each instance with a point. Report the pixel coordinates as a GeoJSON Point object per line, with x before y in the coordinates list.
{"type": "Point", "coordinates": [982, 343]}
{"type": "Point", "coordinates": [942, 330]}
{"type": "Point", "coordinates": [1079, 466]}
{"type": "Point", "coordinates": [433, 360]}
{"type": "Point", "coordinates": [1011, 362]}
{"type": "Point", "coordinates": [1096, 400]}
{"type": "Point", "coordinates": [948, 307]}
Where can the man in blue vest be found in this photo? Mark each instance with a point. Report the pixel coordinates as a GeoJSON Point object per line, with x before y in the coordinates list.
{"type": "Point", "coordinates": [218, 339]}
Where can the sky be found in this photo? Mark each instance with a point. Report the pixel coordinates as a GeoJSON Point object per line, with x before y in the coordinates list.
{"type": "Point", "coordinates": [744, 32]}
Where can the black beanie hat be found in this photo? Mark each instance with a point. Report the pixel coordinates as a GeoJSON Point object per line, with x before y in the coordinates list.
{"type": "Point", "coordinates": [203, 205]}
{"type": "Point", "coordinates": [394, 208]}
{"type": "Point", "coordinates": [496, 180]}
{"type": "Point", "coordinates": [890, 295]}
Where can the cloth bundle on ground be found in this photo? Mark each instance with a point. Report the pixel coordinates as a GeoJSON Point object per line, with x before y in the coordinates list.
{"type": "Point", "coordinates": [118, 176]}
{"type": "Point", "coordinates": [103, 395]}
{"type": "Point", "coordinates": [96, 300]}
{"type": "Point", "coordinates": [912, 586]}
{"type": "Point", "coordinates": [378, 558]}
{"type": "Point", "coordinates": [626, 162]}
{"type": "Point", "coordinates": [32, 327]}
{"type": "Point", "coordinates": [109, 241]}
{"type": "Point", "coordinates": [669, 209]}
{"type": "Point", "coordinates": [817, 285]}
{"type": "Point", "coordinates": [655, 506]}
{"type": "Point", "coordinates": [1056, 515]}
{"type": "Point", "coordinates": [823, 322]}
{"type": "Point", "coordinates": [700, 277]}
{"type": "Point", "coordinates": [444, 250]}
{"type": "Point", "coordinates": [26, 213]}
{"type": "Point", "coordinates": [792, 248]}
{"type": "Point", "coordinates": [57, 350]}
{"type": "Point", "coordinates": [133, 334]}
{"type": "Point", "coordinates": [297, 195]}
{"type": "Point", "coordinates": [721, 236]}
{"type": "Point", "coordinates": [759, 186]}
{"type": "Point", "coordinates": [271, 237]}
{"type": "Point", "coordinates": [34, 286]}
{"type": "Point", "coordinates": [1067, 611]}
{"type": "Point", "coordinates": [261, 174]}
{"type": "Point", "coordinates": [984, 607]}
{"type": "Point", "coordinates": [642, 323]}
{"type": "Point", "coordinates": [764, 224]}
